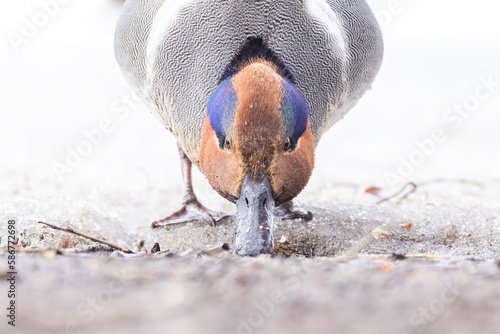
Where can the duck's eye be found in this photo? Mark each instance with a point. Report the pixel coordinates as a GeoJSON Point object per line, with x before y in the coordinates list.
{"type": "Point", "coordinates": [227, 143]}
{"type": "Point", "coordinates": [288, 145]}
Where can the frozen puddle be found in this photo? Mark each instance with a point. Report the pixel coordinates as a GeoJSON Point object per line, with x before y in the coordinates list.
{"type": "Point", "coordinates": [441, 230]}
{"type": "Point", "coordinates": [464, 225]}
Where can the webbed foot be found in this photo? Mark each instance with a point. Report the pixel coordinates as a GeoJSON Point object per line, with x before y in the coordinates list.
{"type": "Point", "coordinates": [191, 210]}
{"type": "Point", "coordinates": [289, 211]}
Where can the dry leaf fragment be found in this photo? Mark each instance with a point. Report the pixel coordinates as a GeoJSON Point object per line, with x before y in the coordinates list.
{"type": "Point", "coordinates": [379, 231]}
{"type": "Point", "coordinates": [407, 227]}
{"type": "Point", "coordinates": [373, 190]}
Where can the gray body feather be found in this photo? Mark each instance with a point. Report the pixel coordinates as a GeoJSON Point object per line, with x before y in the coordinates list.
{"type": "Point", "coordinates": [174, 52]}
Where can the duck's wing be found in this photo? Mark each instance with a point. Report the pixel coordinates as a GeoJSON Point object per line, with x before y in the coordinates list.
{"type": "Point", "coordinates": [174, 53]}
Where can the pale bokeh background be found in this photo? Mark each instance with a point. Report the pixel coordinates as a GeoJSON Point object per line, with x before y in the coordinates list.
{"type": "Point", "coordinates": [65, 81]}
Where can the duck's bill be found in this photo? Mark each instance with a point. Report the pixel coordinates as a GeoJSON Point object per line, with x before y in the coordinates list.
{"type": "Point", "coordinates": [255, 219]}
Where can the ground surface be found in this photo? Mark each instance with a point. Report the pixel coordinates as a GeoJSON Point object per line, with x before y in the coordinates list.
{"type": "Point", "coordinates": [335, 274]}
{"type": "Point", "coordinates": [230, 295]}
{"type": "Point", "coordinates": [342, 272]}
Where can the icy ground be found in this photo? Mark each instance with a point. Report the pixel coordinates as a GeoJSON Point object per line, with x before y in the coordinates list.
{"type": "Point", "coordinates": [336, 274]}
{"type": "Point", "coordinates": [443, 218]}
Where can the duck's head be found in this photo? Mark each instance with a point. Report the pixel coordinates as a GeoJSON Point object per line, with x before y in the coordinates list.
{"type": "Point", "coordinates": [257, 149]}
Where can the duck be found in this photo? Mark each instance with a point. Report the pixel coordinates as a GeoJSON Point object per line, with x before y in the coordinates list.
{"type": "Point", "coordinates": [248, 87]}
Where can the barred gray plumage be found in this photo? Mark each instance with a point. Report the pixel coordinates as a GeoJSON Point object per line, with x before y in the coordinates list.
{"type": "Point", "coordinates": [173, 54]}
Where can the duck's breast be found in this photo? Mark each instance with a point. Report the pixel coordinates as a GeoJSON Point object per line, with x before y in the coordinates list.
{"type": "Point", "coordinates": [174, 53]}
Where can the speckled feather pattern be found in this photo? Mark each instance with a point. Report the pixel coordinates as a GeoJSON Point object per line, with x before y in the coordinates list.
{"type": "Point", "coordinates": [174, 53]}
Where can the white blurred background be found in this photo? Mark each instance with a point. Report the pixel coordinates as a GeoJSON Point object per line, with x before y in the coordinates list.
{"type": "Point", "coordinates": [63, 81]}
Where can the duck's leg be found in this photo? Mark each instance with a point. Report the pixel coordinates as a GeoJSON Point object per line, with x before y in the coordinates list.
{"type": "Point", "coordinates": [289, 211]}
{"type": "Point", "coordinates": [192, 209]}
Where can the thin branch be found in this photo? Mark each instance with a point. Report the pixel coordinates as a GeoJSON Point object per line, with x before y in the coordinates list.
{"type": "Point", "coordinates": [411, 184]}
{"type": "Point", "coordinates": [70, 230]}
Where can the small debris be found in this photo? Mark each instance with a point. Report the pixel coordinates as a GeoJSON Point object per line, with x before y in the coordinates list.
{"type": "Point", "coordinates": [379, 231]}
{"type": "Point", "coordinates": [162, 254]}
{"type": "Point", "coordinates": [379, 250]}
{"type": "Point", "coordinates": [407, 227]}
{"type": "Point", "coordinates": [396, 256]}
{"type": "Point", "coordinates": [116, 254]}
{"type": "Point", "coordinates": [411, 185]}
{"type": "Point", "coordinates": [156, 248]}
{"type": "Point", "coordinates": [37, 233]}
{"type": "Point", "coordinates": [373, 190]}
{"type": "Point", "coordinates": [215, 250]}
{"type": "Point", "coordinates": [71, 231]}
{"type": "Point", "coordinates": [26, 242]}
{"type": "Point", "coordinates": [138, 246]}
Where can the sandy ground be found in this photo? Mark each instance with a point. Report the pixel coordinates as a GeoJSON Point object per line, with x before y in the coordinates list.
{"type": "Point", "coordinates": [355, 268]}
{"type": "Point", "coordinates": [232, 295]}
{"type": "Point", "coordinates": [336, 273]}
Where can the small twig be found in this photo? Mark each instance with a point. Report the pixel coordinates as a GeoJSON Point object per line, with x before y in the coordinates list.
{"type": "Point", "coordinates": [70, 230]}
{"type": "Point", "coordinates": [411, 184]}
